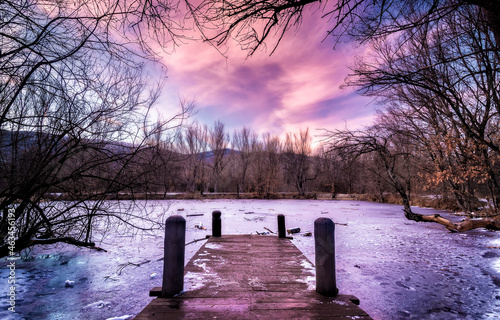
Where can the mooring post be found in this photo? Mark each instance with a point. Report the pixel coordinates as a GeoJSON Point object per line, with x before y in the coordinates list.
{"type": "Point", "coordinates": [216, 224]}
{"type": "Point", "coordinates": [281, 226]}
{"type": "Point", "coordinates": [173, 263]}
{"type": "Point", "coordinates": [324, 242]}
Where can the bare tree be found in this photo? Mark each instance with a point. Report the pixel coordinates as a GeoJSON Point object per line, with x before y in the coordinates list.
{"type": "Point", "coordinates": [163, 164]}
{"type": "Point", "coordinates": [441, 89]}
{"type": "Point", "coordinates": [272, 147]}
{"type": "Point", "coordinates": [339, 171]}
{"type": "Point", "coordinates": [297, 161]}
{"type": "Point", "coordinates": [86, 153]}
{"type": "Point", "coordinates": [446, 158]}
{"type": "Point", "coordinates": [194, 147]}
{"type": "Point", "coordinates": [265, 169]}
{"type": "Point", "coordinates": [443, 83]}
{"type": "Point", "coordinates": [218, 141]}
{"type": "Point", "coordinates": [253, 23]}
{"type": "Point", "coordinates": [243, 142]}
{"type": "Point", "coordinates": [259, 169]}
{"type": "Point", "coordinates": [74, 102]}
{"type": "Point", "coordinates": [380, 141]}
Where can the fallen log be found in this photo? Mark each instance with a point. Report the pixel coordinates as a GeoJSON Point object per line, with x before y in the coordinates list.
{"type": "Point", "coordinates": [464, 225]}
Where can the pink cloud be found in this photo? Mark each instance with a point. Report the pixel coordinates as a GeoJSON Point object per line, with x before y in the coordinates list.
{"type": "Point", "coordinates": [295, 88]}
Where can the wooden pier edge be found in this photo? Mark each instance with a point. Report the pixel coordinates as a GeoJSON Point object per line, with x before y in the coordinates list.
{"type": "Point", "coordinates": [156, 292]}
{"type": "Point", "coordinates": [250, 277]}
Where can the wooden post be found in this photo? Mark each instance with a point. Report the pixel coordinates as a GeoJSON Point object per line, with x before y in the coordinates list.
{"type": "Point", "coordinates": [281, 226]}
{"type": "Point", "coordinates": [173, 264]}
{"type": "Point", "coordinates": [324, 242]}
{"type": "Point", "coordinates": [216, 224]}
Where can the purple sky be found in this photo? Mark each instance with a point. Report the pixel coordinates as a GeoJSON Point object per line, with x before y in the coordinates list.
{"type": "Point", "coordinates": [295, 88]}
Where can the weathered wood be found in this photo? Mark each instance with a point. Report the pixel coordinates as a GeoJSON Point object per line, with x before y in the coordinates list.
{"type": "Point", "coordinates": [216, 224]}
{"type": "Point", "coordinates": [324, 243]}
{"type": "Point", "coordinates": [174, 249]}
{"type": "Point", "coordinates": [250, 277]}
{"type": "Point", "coordinates": [281, 226]}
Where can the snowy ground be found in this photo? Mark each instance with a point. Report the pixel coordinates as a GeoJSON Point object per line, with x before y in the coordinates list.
{"type": "Point", "coordinates": [399, 269]}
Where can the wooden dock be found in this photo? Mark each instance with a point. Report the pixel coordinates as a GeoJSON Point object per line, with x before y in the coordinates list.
{"type": "Point", "coordinates": [250, 277]}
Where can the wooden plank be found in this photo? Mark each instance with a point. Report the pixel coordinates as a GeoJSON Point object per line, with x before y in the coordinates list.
{"type": "Point", "coordinates": [250, 277]}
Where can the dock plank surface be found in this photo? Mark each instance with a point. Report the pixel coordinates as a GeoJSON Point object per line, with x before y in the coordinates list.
{"type": "Point", "coordinates": [250, 277]}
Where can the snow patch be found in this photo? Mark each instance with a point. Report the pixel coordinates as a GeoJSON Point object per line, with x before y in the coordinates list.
{"type": "Point", "coordinates": [310, 279]}
{"type": "Point", "coordinates": [212, 245]}
{"type": "Point", "coordinates": [307, 265]}
{"type": "Point", "coordinates": [193, 281]}
{"type": "Point", "coordinates": [200, 264]}
{"type": "Point", "coordinates": [340, 303]}
{"type": "Point", "coordinates": [205, 253]}
{"type": "Point", "coordinates": [97, 305]}
{"type": "Point", "coordinates": [255, 282]}
{"type": "Point", "coordinates": [495, 242]}
{"type": "Point", "coordinates": [69, 284]}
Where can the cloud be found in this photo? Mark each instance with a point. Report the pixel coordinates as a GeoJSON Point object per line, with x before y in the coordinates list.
{"type": "Point", "coordinates": [295, 88]}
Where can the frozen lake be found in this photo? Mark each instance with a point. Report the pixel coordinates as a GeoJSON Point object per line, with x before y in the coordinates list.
{"type": "Point", "coordinates": [399, 269]}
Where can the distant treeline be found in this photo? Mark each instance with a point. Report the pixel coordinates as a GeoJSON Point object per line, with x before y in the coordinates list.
{"type": "Point", "coordinates": [198, 159]}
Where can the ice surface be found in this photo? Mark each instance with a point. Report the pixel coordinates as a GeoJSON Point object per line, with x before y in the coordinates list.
{"type": "Point", "coordinates": [399, 269]}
